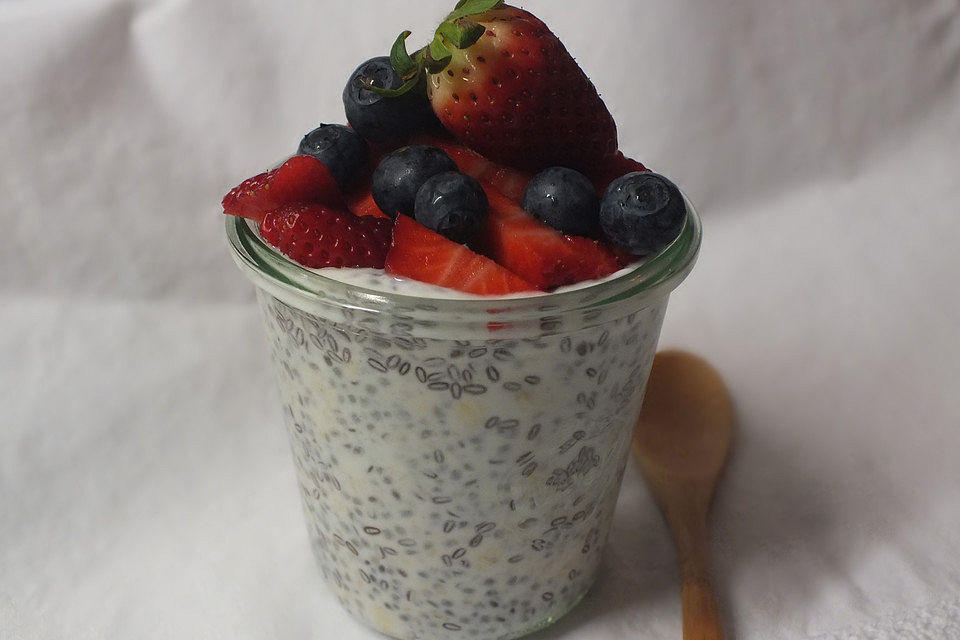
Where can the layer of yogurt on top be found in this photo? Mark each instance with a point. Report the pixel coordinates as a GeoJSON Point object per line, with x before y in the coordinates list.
{"type": "Point", "coordinates": [380, 281]}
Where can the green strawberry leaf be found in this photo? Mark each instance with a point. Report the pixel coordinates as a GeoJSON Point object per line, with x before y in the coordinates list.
{"type": "Point", "coordinates": [400, 59]}
{"type": "Point", "coordinates": [399, 91]}
{"type": "Point", "coordinates": [462, 33]}
{"type": "Point", "coordinates": [473, 7]}
{"type": "Point", "coordinates": [438, 56]}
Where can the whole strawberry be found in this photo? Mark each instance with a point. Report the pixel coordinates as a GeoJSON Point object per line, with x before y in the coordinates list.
{"type": "Point", "coordinates": [505, 86]}
{"type": "Point", "coordinates": [319, 236]}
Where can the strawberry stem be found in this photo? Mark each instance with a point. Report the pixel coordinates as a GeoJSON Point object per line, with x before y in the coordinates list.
{"type": "Point", "coordinates": [456, 30]}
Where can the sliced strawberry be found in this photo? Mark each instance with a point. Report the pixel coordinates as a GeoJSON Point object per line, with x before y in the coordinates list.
{"type": "Point", "coordinates": [539, 253]}
{"type": "Point", "coordinates": [316, 236]}
{"type": "Point", "coordinates": [361, 203]}
{"type": "Point", "coordinates": [360, 199]}
{"type": "Point", "coordinates": [299, 180]}
{"type": "Point", "coordinates": [421, 254]}
{"type": "Point", "coordinates": [507, 180]}
{"type": "Point", "coordinates": [608, 171]}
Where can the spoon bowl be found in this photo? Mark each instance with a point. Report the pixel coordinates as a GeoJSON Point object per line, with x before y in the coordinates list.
{"type": "Point", "coordinates": [682, 441]}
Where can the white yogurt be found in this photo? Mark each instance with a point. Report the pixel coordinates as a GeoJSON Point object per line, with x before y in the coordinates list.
{"type": "Point", "coordinates": [457, 488]}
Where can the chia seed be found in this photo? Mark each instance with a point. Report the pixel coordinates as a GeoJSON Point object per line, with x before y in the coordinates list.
{"type": "Point", "coordinates": [491, 461]}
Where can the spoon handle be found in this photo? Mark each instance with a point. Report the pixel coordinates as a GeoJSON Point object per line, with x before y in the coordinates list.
{"type": "Point", "coordinates": [701, 612]}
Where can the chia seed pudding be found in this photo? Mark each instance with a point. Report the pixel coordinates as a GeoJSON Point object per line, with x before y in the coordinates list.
{"type": "Point", "coordinates": [459, 458]}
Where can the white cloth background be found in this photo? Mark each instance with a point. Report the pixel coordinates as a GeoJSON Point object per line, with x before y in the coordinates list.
{"type": "Point", "coordinates": [145, 485]}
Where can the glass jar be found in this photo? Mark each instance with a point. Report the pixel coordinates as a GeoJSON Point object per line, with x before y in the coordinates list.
{"type": "Point", "coordinates": [459, 459]}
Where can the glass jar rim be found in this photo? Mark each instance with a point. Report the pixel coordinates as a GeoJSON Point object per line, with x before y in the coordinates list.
{"type": "Point", "coordinates": [656, 277]}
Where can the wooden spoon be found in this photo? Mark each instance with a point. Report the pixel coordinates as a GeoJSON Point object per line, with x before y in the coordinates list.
{"type": "Point", "coordinates": [681, 442]}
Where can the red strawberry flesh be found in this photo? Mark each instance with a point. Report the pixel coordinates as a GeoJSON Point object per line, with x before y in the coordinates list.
{"type": "Point", "coordinates": [299, 180]}
{"type": "Point", "coordinates": [318, 236]}
{"type": "Point", "coordinates": [611, 169]}
{"type": "Point", "coordinates": [508, 180]}
{"type": "Point", "coordinates": [361, 203]}
{"type": "Point", "coordinates": [518, 97]}
{"type": "Point", "coordinates": [539, 253]}
{"type": "Point", "coordinates": [421, 254]}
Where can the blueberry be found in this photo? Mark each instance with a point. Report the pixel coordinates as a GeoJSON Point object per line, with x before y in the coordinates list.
{"type": "Point", "coordinates": [642, 212]}
{"type": "Point", "coordinates": [399, 177]}
{"type": "Point", "coordinates": [564, 199]}
{"type": "Point", "coordinates": [452, 204]}
{"type": "Point", "coordinates": [379, 118]}
{"type": "Point", "coordinates": [340, 148]}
